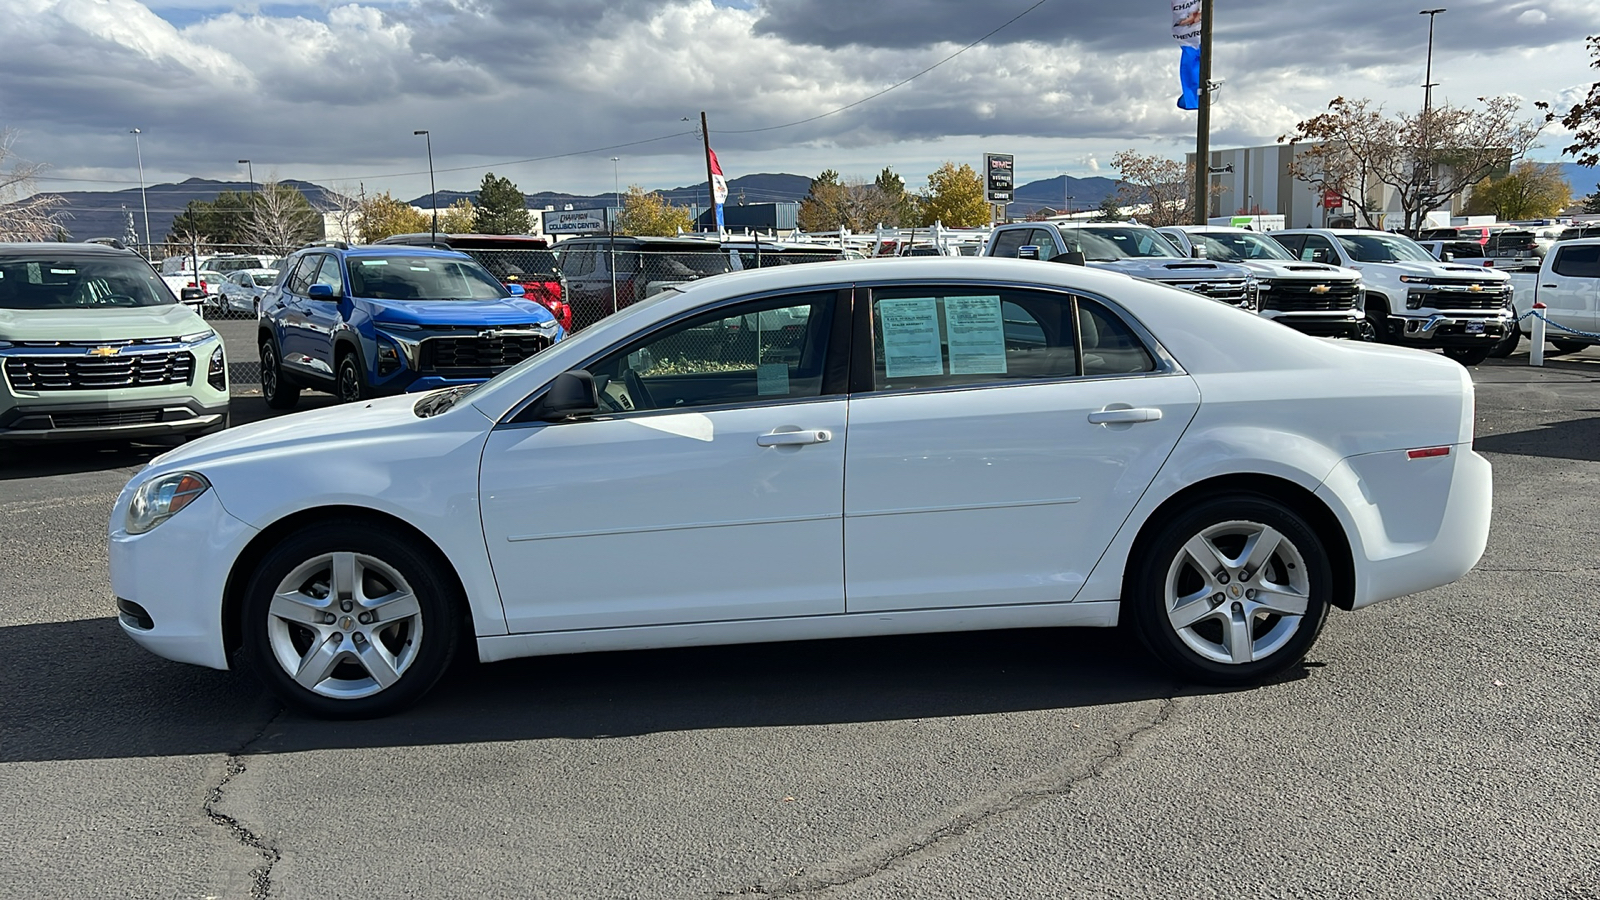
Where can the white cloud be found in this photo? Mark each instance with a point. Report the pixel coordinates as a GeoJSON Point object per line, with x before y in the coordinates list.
{"type": "Point", "coordinates": [1533, 17]}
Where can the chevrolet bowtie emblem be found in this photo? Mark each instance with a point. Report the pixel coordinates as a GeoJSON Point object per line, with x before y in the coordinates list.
{"type": "Point", "coordinates": [1475, 288]}
{"type": "Point", "coordinates": [1320, 289]}
{"type": "Point", "coordinates": [105, 351]}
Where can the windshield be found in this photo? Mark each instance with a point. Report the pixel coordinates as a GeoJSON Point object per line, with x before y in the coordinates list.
{"type": "Point", "coordinates": [264, 278]}
{"type": "Point", "coordinates": [229, 266]}
{"type": "Point", "coordinates": [1238, 246]}
{"type": "Point", "coordinates": [1107, 244]}
{"type": "Point", "coordinates": [1383, 248]}
{"type": "Point", "coordinates": [421, 278]}
{"type": "Point", "coordinates": [66, 283]}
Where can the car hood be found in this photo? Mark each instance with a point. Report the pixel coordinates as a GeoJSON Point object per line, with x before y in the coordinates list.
{"type": "Point", "coordinates": [112, 324]}
{"type": "Point", "coordinates": [1282, 268]}
{"type": "Point", "coordinates": [1172, 269]}
{"type": "Point", "coordinates": [504, 311]}
{"type": "Point", "coordinates": [1436, 270]}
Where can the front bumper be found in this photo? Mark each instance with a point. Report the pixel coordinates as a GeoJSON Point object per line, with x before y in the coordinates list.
{"type": "Point", "coordinates": [1451, 329]}
{"type": "Point", "coordinates": [36, 422]}
{"type": "Point", "coordinates": [177, 573]}
{"type": "Point", "coordinates": [1320, 324]}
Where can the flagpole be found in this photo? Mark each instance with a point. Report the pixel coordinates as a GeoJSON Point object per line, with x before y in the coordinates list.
{"type": "Point", "coordinates": [711, 185]}
{"type": "Point", "coordinates": [1202, 137]}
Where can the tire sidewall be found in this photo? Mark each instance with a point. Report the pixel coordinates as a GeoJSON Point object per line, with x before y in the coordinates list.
{"type": "Point", "coordinates": [282, 395]}
{"type": "Point", "coordinates": [1146, 603]}
{"type": "Point", "coordinates": [438, 598]}
{"type": "Point", "coordinates": [348, 360]}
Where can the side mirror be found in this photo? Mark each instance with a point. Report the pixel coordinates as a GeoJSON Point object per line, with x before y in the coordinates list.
{"type": "Point", "coordinates": [571, 394]}
{"type": "Point", "coordinates": [1446, 256]}
{"type": "Point", "coordinates": [1028, 251]}
{"type": "Point", "coordinates": [1070, 257]}
{"type": "Point", "coordinates": [517, 290]}
{"type": "Point", "coordinates": [191, 294]}
{"type": "Point", "coordinates": [1197, 251]}
{"type": "Point", "coordinates": [320, 292]}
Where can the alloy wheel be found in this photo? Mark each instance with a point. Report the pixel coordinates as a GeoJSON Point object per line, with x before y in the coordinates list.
{"type": "Point", "coordinates": [1237, 592]}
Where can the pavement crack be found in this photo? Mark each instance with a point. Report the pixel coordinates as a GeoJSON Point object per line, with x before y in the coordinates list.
{"type": "Point", "coordinates": [260, 876]}
{"type": "Point", "coordinates": [969, 819]}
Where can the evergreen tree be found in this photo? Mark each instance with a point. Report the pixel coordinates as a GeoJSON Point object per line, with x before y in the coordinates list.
{"type": "Point", "coordinates": [501, 209]}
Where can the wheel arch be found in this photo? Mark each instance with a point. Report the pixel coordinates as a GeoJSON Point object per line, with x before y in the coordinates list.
{"type": "Point", "coordinates": [1316, 513]}
{"type": "Point", "coordinates": [249, 559]}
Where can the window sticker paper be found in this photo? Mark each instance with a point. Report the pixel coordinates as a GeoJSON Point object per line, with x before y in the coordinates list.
{"type": "Point", "coordinates": [911, 337]}
{"type": "Point", "coordinates": [772, 380]}
{"type": "Point", "coordinates": [976, 334]}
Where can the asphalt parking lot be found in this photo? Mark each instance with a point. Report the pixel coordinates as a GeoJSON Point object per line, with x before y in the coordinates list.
{"type": "Point", "coordinates": [1439, 745]}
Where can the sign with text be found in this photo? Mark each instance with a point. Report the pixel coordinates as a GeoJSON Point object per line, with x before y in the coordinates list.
{"type": "Point", "coordinates": [574, 221]}
{"type": "Point", "coordinates": [999, 176]}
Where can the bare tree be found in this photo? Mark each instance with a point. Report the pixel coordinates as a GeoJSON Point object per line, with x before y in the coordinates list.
{"type": "Point", "coordinates": [24, 215]}
{"type": "Point", "coordinates": [1164, 184]}
{"type": "Point", "coordinates": [1426, 158]}
{"type": "Point", "coordinates": [283, 219]}
{"type": "Point", "coordinates": [344, 209]}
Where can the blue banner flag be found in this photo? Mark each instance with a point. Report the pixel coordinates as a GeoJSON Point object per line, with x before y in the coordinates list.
{"type": "Point", "coordinates": [1189, 78]}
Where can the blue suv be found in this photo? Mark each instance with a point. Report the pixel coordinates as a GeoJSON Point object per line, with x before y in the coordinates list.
{"type": "Point", "coordinates": [363, 321]}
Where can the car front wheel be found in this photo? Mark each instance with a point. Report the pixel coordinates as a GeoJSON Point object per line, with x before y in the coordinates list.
{"type": "Point", "coordinates": [1468, 356]}
{"type": "Point", "coordinates": [345, 621]}
{"type": "Point", "coordinates": [275, 389]}
{"type": "Point", "coordinates": [1232, 591]}
{"type": "Point", "coordinates": [350, 386]}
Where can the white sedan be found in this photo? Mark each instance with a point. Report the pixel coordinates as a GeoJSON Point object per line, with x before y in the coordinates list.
{"type": "Point", "coordinates": [243, 289]}
{"type": "Point", "coordinates": [822, 451]}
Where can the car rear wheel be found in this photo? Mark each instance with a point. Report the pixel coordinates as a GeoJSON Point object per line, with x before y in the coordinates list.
{"type": "Point", "coordinates": [275, 389]}
{"type": "Point", "coordinates": [1232, 591]}
{"type": "Point", "coordinates": [1468, 356]}
{"type": "Point", "coordinates": [345, 621]}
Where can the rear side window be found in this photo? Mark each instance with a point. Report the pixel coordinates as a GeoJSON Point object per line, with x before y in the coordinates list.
{"type": "Point", "coordinates": [1007, 242]}
{"type": "Point", "coordinates": [1577, 262]}
{"type": "Point", "coordinates": [955, 337]}
{"type": "Point", "coordinates": [1291, 242]}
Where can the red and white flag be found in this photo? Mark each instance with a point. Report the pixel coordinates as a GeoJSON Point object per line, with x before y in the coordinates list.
{"type": "Point", "coordinates": [719, 185]}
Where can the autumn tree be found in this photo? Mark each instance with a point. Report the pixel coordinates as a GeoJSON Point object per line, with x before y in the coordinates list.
{"type": "Point", "coordinates": [901, 204]}
{"type": "Point", "coordinates": [502, 207]}
{"type": "Point", "coordinates": [1426, 158]}
{"type": "Point", "coordinates": [459, 217]}
{"type": "Point", "coordinates": [24, 215]}
{"type": "Point", "coordinates": [383, 216]}
{"type": "Point", "coordinates": [1532, 190]}
{"type": "Point", "coordinates": [650, 214]}
{"type": "Point", "coordinates": [1583, 120]}
{"type": "Point", "coordinates": [819, 211]}
{"type": "Point", "coordinates": [954, 198]}
{"type": "Point", "coordinates": [282, 219]}
{"type": "Point", "coordinates": [1165, 185]}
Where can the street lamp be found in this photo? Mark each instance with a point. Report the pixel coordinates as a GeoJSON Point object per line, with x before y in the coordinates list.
{"type": "Point", "coordinates": [142, 201]}
{"type": "Point", "coordinates": [1427, 101]}
{"type": "Point", "coordinates": [251, 169]}
{"type": "Point", "coordinates": [616, 183]}
{"type": "Point", "coordinates": [433, 191]}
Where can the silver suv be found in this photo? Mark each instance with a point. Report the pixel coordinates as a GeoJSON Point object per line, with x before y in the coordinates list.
{"type": "Point", "coordinates": [93, 345]}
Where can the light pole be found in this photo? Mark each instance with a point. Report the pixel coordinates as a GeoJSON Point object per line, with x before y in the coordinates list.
{"type": "Point", "coordinates": [432, 191]}
{"type": "Point", "coordinates": [616, 183]}
{"type": "Point", "coordinates": [251, 169]}
{"type": "Point", "coordinates": [142, 201]}
{"type": "Point", "coordinates": [1425, 175]}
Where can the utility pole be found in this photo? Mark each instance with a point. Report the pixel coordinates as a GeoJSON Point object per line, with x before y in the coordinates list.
{"type": "Point", "coordinates": [148, 242]}
{"type": "Point", "coordinates": [1202, 142]}
{"type": "Point", "coordinates": [1424, 171]}
{"type": "Point", "coordinates": [432, 190]}
{"type": "Point", "coordinates": [711, 187]}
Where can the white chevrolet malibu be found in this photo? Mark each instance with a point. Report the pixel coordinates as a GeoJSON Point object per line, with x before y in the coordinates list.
{"type": "Point", "coordinates": [822, 451]}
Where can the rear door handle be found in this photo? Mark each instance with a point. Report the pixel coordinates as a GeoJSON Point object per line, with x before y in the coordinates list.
{"type": "Point", "coordinates": [1121, 416]}
{"type": "Point", "coordinates": [794, 438]}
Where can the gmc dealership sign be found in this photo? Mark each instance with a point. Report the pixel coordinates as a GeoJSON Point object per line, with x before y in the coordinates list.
{"type": "Point", "coordinates": [997, 176]}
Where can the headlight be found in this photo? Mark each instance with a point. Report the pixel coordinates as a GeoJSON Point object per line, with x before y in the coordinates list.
{"type": "Point", "coordinates": [1413, 279]}
{"type": "Point", "coordinates": [161, 498]}
{"type": "Point", "coordinates": [217, 371]}
{"type": "Point", "coordinates": [197, 337]}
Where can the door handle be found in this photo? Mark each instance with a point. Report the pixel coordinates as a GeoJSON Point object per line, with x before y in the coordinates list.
{"type": "Point", "coordinates": [794, 438]}
{"type": "Point", "coordinates": [1550, 285]}
{"type": "Point", "coordinates": [1122, 416]}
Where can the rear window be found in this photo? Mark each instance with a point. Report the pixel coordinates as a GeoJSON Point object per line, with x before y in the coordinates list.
{"type": "Point", "coordinates": [82, 283]}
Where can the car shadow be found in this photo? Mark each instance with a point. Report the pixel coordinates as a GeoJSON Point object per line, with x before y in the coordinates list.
{"type": "Point", "coordinates": [83, 690]}
{"type": "Point", "coordinates": [1577, 439]}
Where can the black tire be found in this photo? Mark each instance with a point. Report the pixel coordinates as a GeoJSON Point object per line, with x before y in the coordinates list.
{"type": "Point", "coordinates": [1299, 562]}
{"type": "Point", "coordinates": [420, 648]}
{"type": "Point", "coordinates": [1366, 331]}
{"type": "Point", "coordinates": [349, 384]}
{"type": "Point", "coordinates": [1568, 346]}
{"type": "Point", "coordinates": [1378, 320]}
{"type": "Point", "coordinates": [276, 389]}
{"type": "Point", "coordinates": [1468, 356]}
{"type": "Point", "coordinates": [1508, 344]}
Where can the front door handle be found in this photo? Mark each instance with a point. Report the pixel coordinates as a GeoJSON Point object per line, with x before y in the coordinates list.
{"type": "Point", "coordinates": [1122, 416]}
{"type": "Point", "coordinates": [794, 438]}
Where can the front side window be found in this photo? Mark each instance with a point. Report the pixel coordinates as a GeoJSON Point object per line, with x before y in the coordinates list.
{"type": "Point", "coordinates": [329, 275]}
{"type": "Point", "coordinates": [955, 337]}
{"type": "Point", "coordinates": [1045, 240]}
{"type": "Point", "coordinates": [304, 271]}
{"type": "Point", "coordinates": [1318, 249]}
{"type": "Point", "coordinates": [755, 352]}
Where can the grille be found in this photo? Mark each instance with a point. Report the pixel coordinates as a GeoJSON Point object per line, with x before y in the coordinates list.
{"type": "Point", "coordinates": [1456, 295]}
{"type": "Point", "coordinates": [1229, 292]}
{"type": "Point", "coordinates": [1296, 296]}
{"type": "Point", "coordinates": [89, 373]}
{"type": "Point", "coordinates": [478, 355]}
{"type": "Point", "coordinates": [105, 419]}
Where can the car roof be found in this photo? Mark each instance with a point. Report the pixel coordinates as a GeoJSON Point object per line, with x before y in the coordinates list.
{"type": "Point", "coordinates": [375, 251]}
{"type": "Point", "coordinates": [40, 248]}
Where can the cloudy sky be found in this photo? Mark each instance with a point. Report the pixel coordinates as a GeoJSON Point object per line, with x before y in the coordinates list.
{"type": "Point", "coordinates": [546, 92]}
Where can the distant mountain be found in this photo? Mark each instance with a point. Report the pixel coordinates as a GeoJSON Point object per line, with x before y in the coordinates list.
{"type": "Point", "coordinates": [92, 214]}
{"type": "Point", "coordinates": [1584, 180]}
{"type": "Point", "coordinates": [1085, 193]}
{"type": "Point", "coordinates": [759, 188]}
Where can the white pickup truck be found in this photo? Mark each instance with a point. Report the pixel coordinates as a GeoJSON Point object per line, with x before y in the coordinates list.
{"type": "Point", "coordinates": [1413, 299]}
{"type": "Point", "coordinates": [1568, 284]}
